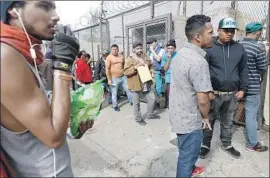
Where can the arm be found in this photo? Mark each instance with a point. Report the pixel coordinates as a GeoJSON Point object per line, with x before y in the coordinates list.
{"type": "Point", "coordinates": [204, 103]}
{"type": "Point", "coordinates": [30, 106]}
{"type": "Point", "coordinates": [151, 66]}
{"type": "Point", "coordinates": [108, 69]}
{"type": "Point", "coordinates": [167, 62]}
{"type": "Point", "coordinates": [50, 75]}
{"type": "Point", "coordinates": [97, 70]}
{"type": "Point", "coordinates": [158, 57]}
{"type": "Point", "coordinates": [79, 71]}
{"type": "Point", "coordinates": [200, 79]}
{"type": "Point", "coordinates": [243, 72]}
{"type": "Point", "coordinates": [261, 61]}
{"type": "Point", "coordinates": [129, 68]}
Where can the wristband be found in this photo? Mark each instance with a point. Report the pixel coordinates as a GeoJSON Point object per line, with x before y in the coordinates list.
{"type": "Point", "coordinates": [62, 66]}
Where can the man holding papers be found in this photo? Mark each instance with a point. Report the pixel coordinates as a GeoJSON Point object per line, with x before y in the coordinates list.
{"type": "Point", "coordinates": [138, 69]}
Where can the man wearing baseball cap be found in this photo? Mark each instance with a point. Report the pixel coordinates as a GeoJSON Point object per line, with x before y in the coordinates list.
{"type": "Point", "coordinates": [229, 77]}
{"type": "Point", "coordinates": [257, 64]}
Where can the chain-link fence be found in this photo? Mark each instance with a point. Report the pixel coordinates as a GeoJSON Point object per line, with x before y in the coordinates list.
{"type": "Point", "coordinates": [124, 22]}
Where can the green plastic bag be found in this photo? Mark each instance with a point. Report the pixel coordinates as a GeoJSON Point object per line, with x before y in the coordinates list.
{"type": "Point", "coordinates": [85, 105]}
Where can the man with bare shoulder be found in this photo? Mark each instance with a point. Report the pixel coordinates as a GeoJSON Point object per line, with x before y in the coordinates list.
{"type": "Point", "coordinates": [115, 75]}
{"type": "Point", "coordinates": [33, 131]}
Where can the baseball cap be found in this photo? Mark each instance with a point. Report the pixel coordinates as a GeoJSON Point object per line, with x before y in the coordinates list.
{"type": "Point", "coordinates": [4, 7]}
{"type": "Point", "coordinates": [253, 27]}
{"type": "Point", "coordinates": [105, 51]}
{"type": "Point", "coordinates": [227, 23]}
{"type": "Point", "coordinates": [171, 42]}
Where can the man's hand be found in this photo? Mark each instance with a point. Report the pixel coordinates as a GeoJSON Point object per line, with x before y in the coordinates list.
{"type": "Point", "coordinates": [239, 95]}
{"type": "Point", "coordinates": [109, 82]}
{"type": "Point", "coordinates": [138, 65]}
{"type": "Point", "coordinates": [206, 124]}
{"type": "Point", "coordinates": [169, 56]}
{"type": "Point", "coordinates": [148, 62]}
{"type": "Point", "coordinates": [151, 48]}
{"type": "Point", "coordinates": [65, 47]}
{"type": "Point", "coordinates": [211, 96]}
{"type": "Point", "coordinates": [84, 126]}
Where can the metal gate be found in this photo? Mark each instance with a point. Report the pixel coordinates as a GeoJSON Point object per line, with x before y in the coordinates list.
{"type": "Point", "coordinates": [143, 31]}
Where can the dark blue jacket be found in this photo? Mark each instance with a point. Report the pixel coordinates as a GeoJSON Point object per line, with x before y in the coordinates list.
{"type": "Point", "coordinates": [228, 66]}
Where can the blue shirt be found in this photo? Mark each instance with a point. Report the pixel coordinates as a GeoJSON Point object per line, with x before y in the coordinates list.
{"type": "Point", "coordinates": [163, 63]}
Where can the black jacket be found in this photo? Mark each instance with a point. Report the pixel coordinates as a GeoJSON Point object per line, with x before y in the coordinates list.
{"type": "Point", "coordinates": [100, 70]}
{"type": "Point", "coordinates": [228, 66]}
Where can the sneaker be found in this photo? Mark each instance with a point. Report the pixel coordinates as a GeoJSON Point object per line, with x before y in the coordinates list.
{"type": "Point", "coordinates": [116, 109]}
{"type": "Point", "coordinates": [141, 122]}
{"type": "Point", "coordinates": [198, 171]}
{"type": "Point", "coordinates": [232, 151]}
{"type": "Point", "coordinates": [258, 148]}
{"type": "Point", "coordinates": [203, 153]}
{"type": "Point", "coordinates": [153, 116]}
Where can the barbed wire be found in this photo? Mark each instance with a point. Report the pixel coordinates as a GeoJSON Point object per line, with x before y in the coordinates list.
{"type": "Point", "coordinates": [114, 7]}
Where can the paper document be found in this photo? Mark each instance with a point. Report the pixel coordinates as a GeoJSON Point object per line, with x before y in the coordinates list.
{"type": "Point", "coordinates": [144, 74]}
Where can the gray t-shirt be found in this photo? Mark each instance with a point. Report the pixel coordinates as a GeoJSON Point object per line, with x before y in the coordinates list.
{"type": "Point", "coordinates": [189, 75]}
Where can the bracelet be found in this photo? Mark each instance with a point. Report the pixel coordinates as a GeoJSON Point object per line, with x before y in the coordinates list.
{"type": "Point", "coordinates": [63, 76]}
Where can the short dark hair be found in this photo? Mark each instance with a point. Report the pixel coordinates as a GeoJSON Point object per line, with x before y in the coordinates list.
{"type": "Point", "coordinates": [114, 46]}
{"type": "Point", "coordinates": [88, 55]}
{"type": "Point", "coordinates": [80, 53]}
{"type": "Point", "coordinates": [152, 40]}
{"type": "Point", "coordinates": [136, 44]}
{"type": "Point", "coordinates": [195, 24]}
{"type": "Point", "coordinates": [171, 42]}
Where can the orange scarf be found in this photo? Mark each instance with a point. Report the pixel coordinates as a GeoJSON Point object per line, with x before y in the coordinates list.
{"type": "Point", "coordinates": [16, 38]}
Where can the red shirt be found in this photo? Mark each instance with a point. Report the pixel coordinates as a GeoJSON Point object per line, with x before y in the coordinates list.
{"type": "Point", "coordinates": [83, 71]}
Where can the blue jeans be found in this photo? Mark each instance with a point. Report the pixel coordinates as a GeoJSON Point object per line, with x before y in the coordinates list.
{"type": "Point", "coordinates": [189, 150]}
{"type": "Point", "coordinates": [158, 83]}
{"type": "Point", "coordinates": [116, 83]}
{"type": "Point", "coordinates": [108, 90]}
{"type": "Point", "coordinates": [252, 105]}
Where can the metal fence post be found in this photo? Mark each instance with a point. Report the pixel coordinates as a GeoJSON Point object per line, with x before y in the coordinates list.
{"type": "Point", "coordinates": [261, 116]}
{"type": "Point", "coordinates": [92, 43]}
{"type": "Point", "coordinates": [127, 41]}
{"type": "Point", "coordinates": [101, 31]}
{"type": "Point", "coordinates": [152, 9]}
{"type": "Point", "coordinates": [202, 7]}
{"type": "Point", "coordinates": [123, 34]}
{"type": "Point", "coordinates": [144, 38]}
{"type": "Point", "coordinates": [185, 8]}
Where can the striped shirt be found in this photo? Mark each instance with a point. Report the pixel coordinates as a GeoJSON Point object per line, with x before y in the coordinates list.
{"type": "Point", "coordinates": [257, 63]}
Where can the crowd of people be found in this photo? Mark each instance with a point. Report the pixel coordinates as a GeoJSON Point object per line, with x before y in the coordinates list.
{"type": "Point", "coordinates": [201, 82]}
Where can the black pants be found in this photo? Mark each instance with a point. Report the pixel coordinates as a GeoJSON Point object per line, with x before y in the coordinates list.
{"type": "Point", "coordinates": [223, 107]}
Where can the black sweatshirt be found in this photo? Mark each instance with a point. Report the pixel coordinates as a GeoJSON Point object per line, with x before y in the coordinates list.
{"type": "Point", "coordinates": [228, 66]}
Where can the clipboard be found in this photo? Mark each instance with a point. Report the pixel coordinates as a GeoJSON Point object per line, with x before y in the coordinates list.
{"type": "Point", "coordinates": [144, 74]}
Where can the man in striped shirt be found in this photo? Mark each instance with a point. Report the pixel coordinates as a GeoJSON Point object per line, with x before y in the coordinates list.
{"type": "Point", "coordinates": [257, 64]}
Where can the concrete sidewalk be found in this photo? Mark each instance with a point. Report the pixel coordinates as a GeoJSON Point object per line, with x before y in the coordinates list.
{"type": "Point", "coordinates": [117, 146]}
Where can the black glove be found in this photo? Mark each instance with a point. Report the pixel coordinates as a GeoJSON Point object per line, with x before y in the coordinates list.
{"type": "Point", "coordinates": [65, 48]}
